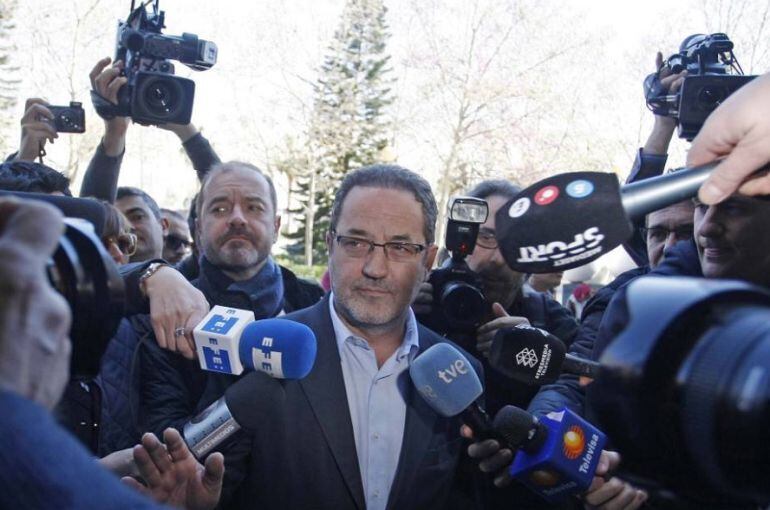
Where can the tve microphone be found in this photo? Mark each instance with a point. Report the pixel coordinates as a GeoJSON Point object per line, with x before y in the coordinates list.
{"type": "Point", "coordinates": [570, 219]}
{"type": "Point", "coordinates": [535, 357]}
{"type": "Point", "coordinates": [447, 382]}
{"type": "Point", "coordinates": [245, 404]}
{"type": "Point", "coordinates": [557, 454]}
{"type": "Point", "coordinates": [229, 341]}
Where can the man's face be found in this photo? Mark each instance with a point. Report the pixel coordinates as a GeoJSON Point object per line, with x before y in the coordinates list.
{"type": "Point", "coordinates": [177, 243]}
{"type": "Point", "coordinates": [501, 283]}
{"type": "Point", "coordinates": [237, 225]}
{"type": "Point", "coordinates": [666, 227]}
{"type": "Point", "coordinates": [148, 229]}
{"type": "Point", "coordinates": [373, 292]}
{"type": "Point", "coordinates": [734, 239]}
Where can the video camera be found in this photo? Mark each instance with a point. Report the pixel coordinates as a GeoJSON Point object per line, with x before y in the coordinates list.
{"type": "Point", "coordinates": [713, 73]}
{"type": "Point", "coordinates": [684, 391]}
{"type": "Point", "coordinates": [153, 95]}
{"type": "Point", "coordinates": [457, 290]}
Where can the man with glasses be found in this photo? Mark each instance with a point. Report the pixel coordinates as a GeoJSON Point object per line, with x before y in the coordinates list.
{"type": "Point", "coordinates": [178, 243]}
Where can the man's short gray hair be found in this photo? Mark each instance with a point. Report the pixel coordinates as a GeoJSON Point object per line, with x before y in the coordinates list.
{"type": "Point", "coordinates": [391, 177]}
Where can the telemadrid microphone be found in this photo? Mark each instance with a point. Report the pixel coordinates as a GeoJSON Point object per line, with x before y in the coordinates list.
{"type": "Point", "coordinates": [535, 357]}
{"type": "Point", "coordinates": [229, 341]}
{"type": "Point", "coordinates": [568, 220]}
{"type": "Point", "coordinates": [557, 454]}
{"type": "Point", "coordinates": [245, 404]}
{"type": "Point", "coordinates": [448, 383]}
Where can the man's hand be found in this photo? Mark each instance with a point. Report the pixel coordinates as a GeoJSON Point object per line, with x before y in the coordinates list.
{"type": "Point", "coordinates": [173, 475]}
{"type": "Point", "coordinates": [34, 319]}
{"type": "Point", "coordinates": [486, 332]}
{"type": "Point", "coordinates": [663, 129]}
{"type": "Point", "coordinates": [612, 494]}
{"type": "Point", "coordinates": [106, 81]}
{"type": "Point", "coordinates": [424, 300]}
{"type": "Point", "coordinates": [491, 458]}
{"type": "Point", "coordinates": [174, 304]}
{"type": "Point", "coordinates": [36, 128]}
{"type": "Point", "coordinates": [120, 463]}
{"type": "Point", "coordinates": [740, 130]}
{"type": "Point", "coordinates": [183, 131]}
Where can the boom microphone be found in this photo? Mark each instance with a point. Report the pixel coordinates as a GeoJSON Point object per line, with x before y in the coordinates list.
{"type": "Point", "coordinates": [557, 454]}
{"type": "Point", "coordinates": [229, 341]}
{"type": "Point", "coordinates": [535, 357]}
{"type": "Point", "coordinates": [448, 383]}
{"type": "Point", "coordinates": [570, 219]}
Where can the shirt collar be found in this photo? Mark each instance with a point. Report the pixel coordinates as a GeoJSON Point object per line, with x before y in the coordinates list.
{"type": "Point", "coordinates": [409, 346]}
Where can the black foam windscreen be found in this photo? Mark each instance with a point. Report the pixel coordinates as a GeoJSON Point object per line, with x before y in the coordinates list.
{"type": "Point", "coordinates": [519, 428]}
{"type": "Point", "coordinates": [527, 354]}
{"type": "Point", "coordinates": [84, 208]}
{"type": "Point", "coordinates": [562, 222]}
{"type": "Point", "coordinates": [254, 398]}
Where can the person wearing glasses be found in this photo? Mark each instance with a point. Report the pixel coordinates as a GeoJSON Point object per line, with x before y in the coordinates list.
{"type": "Point", "coordinates": [117, 237]}
{"type": "Point", "coordinates": [178, 243]}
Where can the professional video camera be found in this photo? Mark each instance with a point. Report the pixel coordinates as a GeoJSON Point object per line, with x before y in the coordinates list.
{"type": "Point", "coordinates": [459, 304]}
{"type": "Point", "coordinates": [683, 392]}
{"type": "Point", "coordinates": [713, 73]}
{"type": "Point", "coordinates": [153, 95]}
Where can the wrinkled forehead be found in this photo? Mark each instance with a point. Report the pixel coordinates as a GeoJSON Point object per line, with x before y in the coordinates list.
{"type": "Point", "coordinates": [236, 181]}
{"type": "Point", "coordinates": [672, 216]}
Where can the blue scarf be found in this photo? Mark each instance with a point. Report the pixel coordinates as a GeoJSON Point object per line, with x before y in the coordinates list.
{"type": "Point", "coordinates": [262, 293]}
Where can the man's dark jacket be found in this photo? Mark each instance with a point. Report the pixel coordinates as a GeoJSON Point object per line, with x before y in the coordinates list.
{"type": "Point", "coordinates": [305, 455]}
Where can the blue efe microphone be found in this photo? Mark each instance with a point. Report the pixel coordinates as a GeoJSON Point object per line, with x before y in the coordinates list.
{"type": "Point", "coordinates": [448, 383]}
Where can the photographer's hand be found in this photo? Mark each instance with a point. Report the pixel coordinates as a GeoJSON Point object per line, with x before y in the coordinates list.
{"type": "Point", "coordinates": [486, 332]}
{"type": "Point", "coordinates": [663, 128]}
{"type": "Point", "coordinates": [183, 132]}
{"type": "Point", "coordinates": [612, 493]}
{"type": "Point", "coordinates": [106, 81]}
{"type": "Point", "coordinates": [740, 130]}
{"type": "Point", "coordinates": [174, 303]}
{"type": "Point", "coordinates": [36, 128]}
{"type": "Point", "coordinates": [423, 301]}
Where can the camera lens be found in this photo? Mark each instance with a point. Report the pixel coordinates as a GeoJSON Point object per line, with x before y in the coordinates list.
{"type": "Point", "coordinates": [710, 97]}
{"type": "Point", "coordinates": [463, 304]}
{"type": "Point", "coordinates": [65, 120]}
{"type": "Point", "coordinates": [161, 97]}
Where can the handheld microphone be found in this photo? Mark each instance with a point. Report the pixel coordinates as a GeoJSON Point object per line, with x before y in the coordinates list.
{"type": "Point", "coordinates": [535, 357]}
{"type": "Point", "coordinates": [229, 341]}
{"type": "Point", "coordinates": [557, 454]}
{"type": "Point", "coordinates": [244, 405]}
{"type": "Point", "coordinates": [447, 382]}
{"type": "Point", "coordinates": [568, 220]}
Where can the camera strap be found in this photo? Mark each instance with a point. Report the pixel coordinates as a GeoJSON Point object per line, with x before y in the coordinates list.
{"type": "Point", "coordinates": [103, 107]}
{"type": "Point", "coordinates": [41, 152]}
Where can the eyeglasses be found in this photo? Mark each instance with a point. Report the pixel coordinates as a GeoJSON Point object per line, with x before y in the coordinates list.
{"type": "Point", "coordinates": [126, 243]}
{"type": "Point", "coordinates": [486, 239]}
{"type": "Point", "coordinates": [396, 251]}
{"type": "Point", "coordinates": [174, 243]}
{"type": "Point", "coordinates": [660, 234]}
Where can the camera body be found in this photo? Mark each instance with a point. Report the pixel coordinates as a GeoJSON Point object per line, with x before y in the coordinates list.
{"type": "Point", "coordinates": [459, 303]}
{"type": "Point", "coordinates": [153, 95]}
{"type": "Point", "coordinates": [69, 119]}
{"type": "Point", "coordinates": [713, 73]}
{"type": "Point", "coordinates": [684, 392]}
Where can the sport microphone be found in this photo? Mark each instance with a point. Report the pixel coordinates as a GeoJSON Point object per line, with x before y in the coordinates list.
{"type": "Point", "coordinates": [570, 219]}
{"type": "Point", "coordinates": [245, 405]}
{"type": "Point", "coordinates": [448, 383]}
{"type": "Point", "coordinates": [229, 341]}
{"type": "Point", "coordinates": [557, 454]}
{"type": "Point", "coordinates": [535, 357]}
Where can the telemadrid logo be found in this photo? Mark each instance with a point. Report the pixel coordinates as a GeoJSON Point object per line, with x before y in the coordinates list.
{"type": "Point", "coordinates": [574, 442]}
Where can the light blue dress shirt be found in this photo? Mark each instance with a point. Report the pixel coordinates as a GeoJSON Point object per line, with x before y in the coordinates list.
{"type": "Point", "coordinates": [377, 404]}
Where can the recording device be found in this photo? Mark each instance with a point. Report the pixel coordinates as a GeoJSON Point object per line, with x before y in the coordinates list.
{"type": "Point", "coordinates": [568, 220]}
{"type": "Point", "coordinates": [683, 391]}
{"type": "Point", "coordinates": [535, 357]}
{"type": "Point", "coordinates": [247, 403]}
{"type": "Point", "coordinates": [69, 119]}
{"type": "Point", "coordinates": [83, 272]}
{"type": "Point", "coordinates": [447, 381]}
{"type": "Point", "coordinates": [713, 73]}
{"type": "Point", "coordinates": [557, 454]}
{"type": "Point", "coordinates": [459, 304]}
{"type": "Point", "coordinates": [153, 95]}
{"type": "Point", "coordinates": [229, 341]}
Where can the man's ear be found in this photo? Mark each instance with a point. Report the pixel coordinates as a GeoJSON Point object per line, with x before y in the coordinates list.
{"type": "Point", "coordinates": [329, 242]}
{"type": "Point", "coordinates": [276, 228]}
{"type": "Point", "coordinates": [430, 256]}
{"type": "Point", "coordinates": [197, 229]}
{"type": "Point", "coordinates": [164, 225]}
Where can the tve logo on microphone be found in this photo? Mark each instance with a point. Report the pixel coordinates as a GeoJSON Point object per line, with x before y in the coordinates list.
{"type": "Point", "coordinates": [454, 371]}
{"type": "Point", "coordinates": [216, 339]}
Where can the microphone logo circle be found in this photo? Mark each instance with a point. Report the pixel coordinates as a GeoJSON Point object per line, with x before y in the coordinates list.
{"type": "Point", "coordinates": [574, 442]}
{"type": "Point", "coordinates": [580, 188]}
{"type": "Point", "coordinates": [546, 195]}
{"type": "Point", "coordinates": [519, 207]}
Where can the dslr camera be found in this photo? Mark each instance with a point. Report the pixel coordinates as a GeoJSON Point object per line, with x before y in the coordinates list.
{"type": "Point", "coordinates": [459, 303]}
{"type": "Point", "coordinates": [684, 392]}
{"type": "Point", "coordinates": [713, 73]}
{"type": "Point", "coordinates": [153, 95]}
{"type": "Point", "coordinates": [69, 119]}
